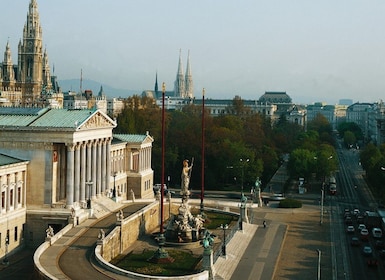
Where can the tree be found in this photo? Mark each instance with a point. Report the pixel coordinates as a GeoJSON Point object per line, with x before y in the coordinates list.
{"type": "Point", "coordinates": [349, 138]}
{"type": "Point", "coordinates": [352, 127]}
{"type": "Point", "coordinates": [301, 163]}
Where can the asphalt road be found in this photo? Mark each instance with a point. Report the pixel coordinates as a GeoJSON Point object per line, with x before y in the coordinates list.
{"type": "Point", "coordinates": [76, 261]}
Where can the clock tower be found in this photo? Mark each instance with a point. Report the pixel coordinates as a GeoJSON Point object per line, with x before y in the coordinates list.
{"type": "Point", "coordinates": [32, 59]}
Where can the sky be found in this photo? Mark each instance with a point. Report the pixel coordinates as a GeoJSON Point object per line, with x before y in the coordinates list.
{"type": "Point", "coordinates": [316, 51]}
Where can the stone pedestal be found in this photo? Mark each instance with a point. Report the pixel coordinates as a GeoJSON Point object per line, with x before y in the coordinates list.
{"type": "Point", "coordinates": [208, 262]}
{"type": "Point", "coordinates": [244, 217]}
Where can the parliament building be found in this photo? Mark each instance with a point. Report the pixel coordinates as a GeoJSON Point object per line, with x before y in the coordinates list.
{"type": "Point", "coordinates": [58, 166]}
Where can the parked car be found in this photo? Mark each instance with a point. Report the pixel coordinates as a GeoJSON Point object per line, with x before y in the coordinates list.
{"type": "Point", "coordinates": [377, 233]}
{"type": "Point", "coordinates": [367, 251]}
{"type": "Point", "coordinates": [355, 241]}
{"type": "Point", "coordinates": [350, 229]}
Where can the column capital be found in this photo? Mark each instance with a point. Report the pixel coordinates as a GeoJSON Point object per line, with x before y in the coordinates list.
{"type": "Point", "coordinates": [71, 146]}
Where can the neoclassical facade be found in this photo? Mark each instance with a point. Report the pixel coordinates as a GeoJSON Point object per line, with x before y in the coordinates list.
{"type": "Point", "coordinates": [72, 157]}
{"type": "Point", "coordinates": [13, 174]}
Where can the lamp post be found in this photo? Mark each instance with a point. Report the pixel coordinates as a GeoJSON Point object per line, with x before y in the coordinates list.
{"type": "Point", "coordinates": [161, 255]}
{"type": "Point", "coordinates": [319, 265]}
{"type": "Point", "coordinates": [243, 198]}
{"type": "Point", "coordinates": [322, 203]}
{"type": "Point", "coordinates": [89, 184]}
{"type": "Point", "coordinates": [224, 227]}
{"type": "Point", "coordinates": [5, 260]}
{"type": "Point", "coordinates": [114, 189]}
{"type": "Point", "coordinates": [243, 162]}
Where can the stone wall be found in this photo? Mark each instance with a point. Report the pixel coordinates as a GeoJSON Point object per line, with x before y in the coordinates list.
{"type": "Point", "coordinates": [145, 221]}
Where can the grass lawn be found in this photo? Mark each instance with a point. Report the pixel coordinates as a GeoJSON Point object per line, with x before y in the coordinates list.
{"type": "Point", "coordinates": [184, 263]}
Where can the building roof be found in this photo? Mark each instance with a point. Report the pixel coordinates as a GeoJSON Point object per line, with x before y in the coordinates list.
{"type": "Point", "coordinates": [275, 97]}
{"type": "Point", "coordinates": [47, 118]}
{"type": "Point", "coordinates": [62, 118]}
{"type": "Point", "coordinates": [6, 160]}
{"type": "Point", "coordinates": [131, 138]}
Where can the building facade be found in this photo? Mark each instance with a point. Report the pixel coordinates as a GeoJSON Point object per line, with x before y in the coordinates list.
{"type": "Point", "coordinates": [73, 157]}
{"type": "Point", "coordinates": [13, 175]}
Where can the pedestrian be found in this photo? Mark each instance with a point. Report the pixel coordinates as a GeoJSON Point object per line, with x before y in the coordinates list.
{"type": "Point", "coordinates": [264, 224]}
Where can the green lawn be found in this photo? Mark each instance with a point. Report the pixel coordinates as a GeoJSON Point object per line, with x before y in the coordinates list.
{"type": "Point", "coordinates": [184, 263]}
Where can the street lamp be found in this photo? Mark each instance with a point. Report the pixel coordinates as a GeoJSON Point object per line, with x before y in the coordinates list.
{"type": "Point", "coordinates": [89, 184]}
{"type": "Point", "coordinates": [243, 165]}
{"type": "Point", "coordinates": [5, 260]}
{"type": "Point", "coordinates": [322, 203]}
{"type": "Point", "coordinates": [114, 189]}
{"type": "Point", "coordinates": [319, 264]}
{"type": "Point", "coordinates": [224, 227]}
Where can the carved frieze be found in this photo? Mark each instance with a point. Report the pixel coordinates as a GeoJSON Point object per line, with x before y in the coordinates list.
{"type": "Point", "coordinates": [97, 121]}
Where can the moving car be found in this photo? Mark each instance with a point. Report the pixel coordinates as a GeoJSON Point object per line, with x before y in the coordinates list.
{"type": "Point", "coordinates": [364, 234]}
{"type": "Point", "coordinates": [350, 229]}
{"type": "Point", "coordinates": [361, 226]}
{"type": "Point", "coordinates": [355, 241]}
{"type": "Point", "coordinates": [379, 245]}
{"type": "Point", "coordinates": [377, 233]}
{"type": "Point", "coordinates": [367, 250]}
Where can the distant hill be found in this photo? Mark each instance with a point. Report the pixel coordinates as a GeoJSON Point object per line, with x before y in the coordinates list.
{"type": "Point", "coordinates": [74, 85]}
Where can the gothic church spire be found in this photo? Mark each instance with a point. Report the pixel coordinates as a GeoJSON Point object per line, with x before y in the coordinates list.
{"type": "Point", "coordinates": [189, 86]}
{"type": "Point", "coordinates": [179, 82]}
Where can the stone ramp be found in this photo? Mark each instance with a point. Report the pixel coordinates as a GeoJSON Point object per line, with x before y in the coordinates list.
{"type": "Point", "coordinates": [103, 206]}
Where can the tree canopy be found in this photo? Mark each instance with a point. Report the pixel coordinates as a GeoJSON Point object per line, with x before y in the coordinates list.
{"type": "Point", "coordinates": [228, 139]}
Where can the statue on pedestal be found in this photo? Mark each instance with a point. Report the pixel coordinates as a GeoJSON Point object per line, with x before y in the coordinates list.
{"type": "Point", "coordinates": [49, 232]}
{"type": "Point", "coordinates": [186, 174]}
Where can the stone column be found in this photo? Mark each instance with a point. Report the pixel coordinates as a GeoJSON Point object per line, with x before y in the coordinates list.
{"type": "Point", "coordinates": [104, 166]}
{"type": "Point", "coordinates": [108, 163]}
{"type": "Point", "coordinates": [24, 189]}
{"type": "Point", "coordinates": [83, 173]}
{"type": "Point", "coordinates": [17, 193]}
{"type": "Point", "coordinates": [7, 196]}
{"type": "Point", "coordinates": [77, 174]}
{"type": "Point", "coordinates": [89, 164]}
{"type": "Point", "coordinates": [62, 171]}
{"type": "Point", "coordinates": [70, 176]}
{"type": "Point", "coordinates": [98, 168]}
{"type": "Point", "coordinates": [94, 160]}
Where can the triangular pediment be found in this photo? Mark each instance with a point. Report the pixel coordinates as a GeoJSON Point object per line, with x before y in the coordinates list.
{"type": "Point", "coordinates": [97, 120]}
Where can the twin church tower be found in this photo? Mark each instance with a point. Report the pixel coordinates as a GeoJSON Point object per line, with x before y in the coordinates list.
{"type": "Point", "coordinates": [184, 85]}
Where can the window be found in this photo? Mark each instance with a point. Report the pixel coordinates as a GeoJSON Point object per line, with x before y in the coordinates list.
{"type": "Point", "coordinates": [2, 200]}
{"type": "Point", "coordinates": [19, 195]}
{"type": "Point", "coordinates": [11, 197]}
{"type": "Point", "coordinates": [15, 233]}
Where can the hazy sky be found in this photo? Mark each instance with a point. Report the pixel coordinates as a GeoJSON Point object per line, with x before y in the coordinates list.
{"type": "Point", "coordinates": [314, 50]}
